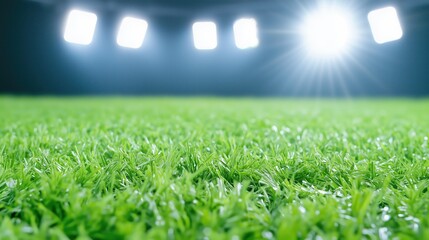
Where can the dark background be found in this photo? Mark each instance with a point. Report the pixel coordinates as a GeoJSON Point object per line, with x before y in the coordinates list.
{"type": "Point", "coordinates": [36, 60]}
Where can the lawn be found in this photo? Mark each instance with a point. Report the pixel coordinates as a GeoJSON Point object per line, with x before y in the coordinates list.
{"type": "Point", "coordinates": [213, 168]}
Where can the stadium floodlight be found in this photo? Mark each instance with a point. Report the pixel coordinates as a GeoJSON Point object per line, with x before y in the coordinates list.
{"type": "Point", "coordinates": [80, 27]}
{"type": "Point", "coordinates": [385, 25]}
{"type": "Point", "coordinates": [132, 32]}
{"type": "Point", "coordinates": [328, 31]}
{"type": "Point", "coordinates": [246, 33]}
{"type": "Point", "coordinates": [205, 35]}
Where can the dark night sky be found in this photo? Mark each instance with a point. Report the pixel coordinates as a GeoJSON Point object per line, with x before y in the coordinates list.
{"type": "Point", "coordinates": [36, 60]}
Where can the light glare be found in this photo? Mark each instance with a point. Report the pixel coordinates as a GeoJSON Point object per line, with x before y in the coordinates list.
{"type": "Point", "coordinates": [132, 32]}
{"type": "Point", "coordinates": [246, 33]}
{"type": "Point", "coordinates": [328, 32]}
{"type": "Point", "coordinates": [205, 35]}
{"type": "Point", "coordinates": [80, 27]}
{"type": "Point", "coordinates": [385, 25]}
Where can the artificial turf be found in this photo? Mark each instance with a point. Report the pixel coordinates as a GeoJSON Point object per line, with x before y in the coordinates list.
{"type": "Point", "coordinates": [208, 168]}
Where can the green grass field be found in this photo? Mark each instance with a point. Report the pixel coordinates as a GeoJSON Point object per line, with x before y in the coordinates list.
{"type": "Point", "coordinates": [202, 168]}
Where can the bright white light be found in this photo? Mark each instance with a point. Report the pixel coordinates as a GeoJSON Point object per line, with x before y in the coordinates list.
{"type": "Point", "coordinates": [132, 32]}
{"type": "Point", "coordinates": [205, 35]}
{"type": "Point", "coordinates": [80, 27]}
{"type": "Point", "coordinates": [385, 25]}
{"type": "Point", "coordinates": [246, 33]}
{"type": "Point", "coordinates": [328, 31]}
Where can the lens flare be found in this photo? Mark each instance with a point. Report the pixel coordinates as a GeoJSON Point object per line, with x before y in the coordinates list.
{"type": "Point", "coordinates": [328, 32]}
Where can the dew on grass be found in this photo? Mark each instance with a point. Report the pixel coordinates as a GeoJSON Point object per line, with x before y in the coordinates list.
{"type": "Point", "coordinates": [323, 192]}
{"type": "Point", "coordinates": [385, 214]}
{"type": "Point", "coordinates": [171, 233]}
{"type": "Point", "coordinates": [159, 221]}
{"type": "Point", "coordinates": [343, 149]}
{"type": "Point", "coordinates": [412, 219]}
{"type": "Point", "coordinates": [207, 231]}
{"type": "Point", "coordinates": [27, 229]}
{"type": "Point", "coordinates": [415, 227]}
{"type": "Point", "coordinates": [368, 231]}
{"type": "Point", "coordinates": [338, 193]}
{"type": "Point", "coordinates": [274, 128]}
{"type": "Point", "coordinates": [192, 190]}
{"type": "Point", "coordinates": [11, 183]}
{"type": "Point", "coordinates": [284, 130]}
{"type": "Point", "coordinates": [383, 233]}
{"type": "Point", "coordinates": [239, 187]}
{"type": "Point", "coordinates": [267, 235]}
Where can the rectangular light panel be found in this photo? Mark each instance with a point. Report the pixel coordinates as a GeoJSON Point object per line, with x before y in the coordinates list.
{"type": "Point", "coordinates": [385, 25]}
{"type": "Point", "coordinates": [132, 32]}
{"type": "Point", "coordinates": [246, 33]}
{"type": "Point", "coordinates": [205, 35]}
{"type": "Point", "coordinates": [80, 27]}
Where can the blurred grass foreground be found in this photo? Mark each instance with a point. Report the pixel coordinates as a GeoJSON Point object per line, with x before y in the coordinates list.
{"type": "Point", "coordinates": [213, 168]}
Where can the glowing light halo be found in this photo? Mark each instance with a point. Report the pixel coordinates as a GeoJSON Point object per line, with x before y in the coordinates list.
{"type": "Point", "coordinates": [385, 25]}
{"type": "Point", "coordinates": [299, 67]}
{"type": "Point", "coordinates": [132, 32]}
{"type": "Point", "coordinates": [328, 31]}
{"type": "Point", "coordinates": [246, 33]}
{"type": "Point", "coordinates": [205, 35]}
{"type": "Point", "coordinates": [80, 27]}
